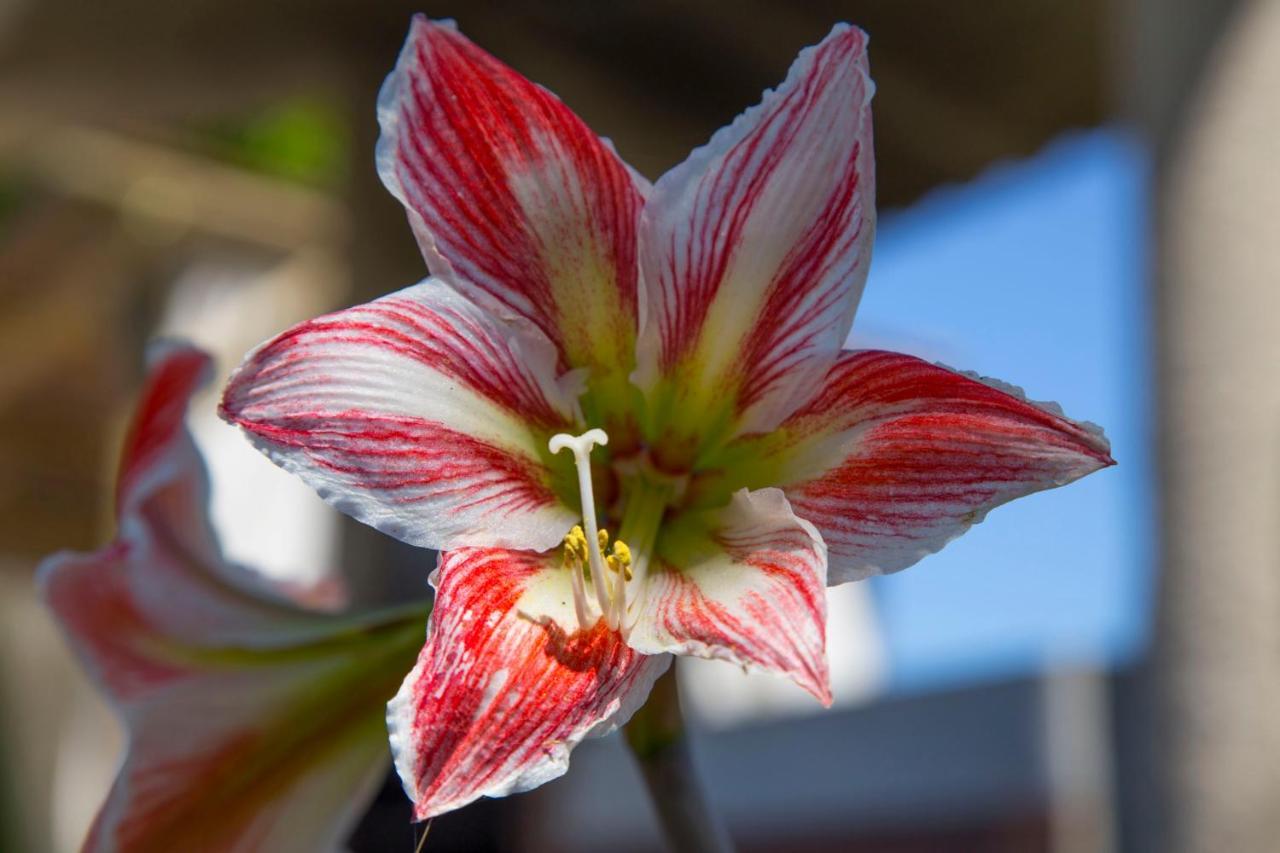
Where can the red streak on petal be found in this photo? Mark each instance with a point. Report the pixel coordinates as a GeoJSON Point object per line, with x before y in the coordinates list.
{"type": "Point", "coordinates": [159, 415]}
{"type": "Point", "coordinates": [873, 385]}
{"type": "Point", "coordinates": [414, 459]}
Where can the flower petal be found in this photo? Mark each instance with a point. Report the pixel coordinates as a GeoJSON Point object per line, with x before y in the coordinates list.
{"type": "Point", "coordinates": [183, 585]}
{"type": "Point", "coordinates": [419, 413]}
{"type": "Point", "coordinates": [502, 692]}
{"type": "Point", "coordinates": [896, 457]}
{"type": "Point", "coordinates": [754, 251]}
{"type": "Point", "coordinates": [175, 372]}
{"type": "Point", "coordinates": [513, 199]}
{"type": "Point", "coordinates": [253, 724]}
{"type": "Point", "coordinates": [748, 588]}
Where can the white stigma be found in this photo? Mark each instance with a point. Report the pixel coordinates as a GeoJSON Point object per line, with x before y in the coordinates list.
{"type": "Point", "coordinates": [581, 446]}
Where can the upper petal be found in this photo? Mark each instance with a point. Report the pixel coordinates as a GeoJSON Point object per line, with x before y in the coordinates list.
{"type": "Point", "coordinates": [419, 413]}
{"type": "Point", "coordinates": [744, 584]}
{"type": "Point", "coordinates": [507, 684]}
{"type": "Point", "coordinates": [896, 457]}
{"type": "Point", "coordinates": [754, 251]}
{"type": "Point", "coordinates": [513, 199]}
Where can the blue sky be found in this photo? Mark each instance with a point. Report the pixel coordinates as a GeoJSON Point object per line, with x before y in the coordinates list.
{"type": "Point", "coordinates": [1034, 274]}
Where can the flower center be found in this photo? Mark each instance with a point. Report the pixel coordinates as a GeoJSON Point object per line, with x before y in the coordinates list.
{"type": "Point", "coordinates": [616, 571]}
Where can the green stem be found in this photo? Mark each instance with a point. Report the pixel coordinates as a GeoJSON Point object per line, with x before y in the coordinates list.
{"type": "Point", "coordinates": [657, 738]}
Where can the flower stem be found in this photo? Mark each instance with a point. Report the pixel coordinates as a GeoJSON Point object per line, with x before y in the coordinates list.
{"type": "Point", "coordinates": [657, 738]}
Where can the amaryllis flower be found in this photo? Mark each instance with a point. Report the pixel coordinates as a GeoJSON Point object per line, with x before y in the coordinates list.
{"type": "Point", "coordinates": [255, 723]}
{"type": "Point", "coordinates": [726, 460]}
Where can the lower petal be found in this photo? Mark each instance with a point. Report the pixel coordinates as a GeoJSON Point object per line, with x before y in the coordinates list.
{"type": "Point", "coordinates": [507, 683]}
{"type": "Point", "coordinates": [746, 585]}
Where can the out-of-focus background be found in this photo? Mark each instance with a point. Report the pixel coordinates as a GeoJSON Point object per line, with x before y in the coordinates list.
{"type": "Point", "coordinates": [1079, 198]}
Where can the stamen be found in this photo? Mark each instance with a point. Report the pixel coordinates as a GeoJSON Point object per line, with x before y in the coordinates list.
{"type": "Point", "coordinates": [581, 445]}
{"type": "Point", "coordinates": [620, 562]}
{"type": "Point", "coordinates": [574, 556]}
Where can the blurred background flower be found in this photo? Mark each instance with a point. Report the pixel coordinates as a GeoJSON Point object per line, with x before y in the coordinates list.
{"type": "Point", "coordinates": [254, 710]}
{"type": "Point", "coordinates": [1078, 197]}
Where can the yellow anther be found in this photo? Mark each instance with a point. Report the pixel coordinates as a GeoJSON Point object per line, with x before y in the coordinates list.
{"type": "Point", "coordinates": [617, 558]}
{"type": "Point", "coordinates": [576, 542]}
{"type": "Point", "coordinates": [620, 559]}
{"type": "Point", "coordinates": [575, 547]}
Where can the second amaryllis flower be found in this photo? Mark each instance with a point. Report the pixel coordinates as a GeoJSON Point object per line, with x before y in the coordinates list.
{"type": "Point", "coordinates": [622, 411]}
{"type": "Point", "coordinates": [254, 719]}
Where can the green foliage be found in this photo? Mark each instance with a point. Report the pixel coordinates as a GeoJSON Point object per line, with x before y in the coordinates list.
{"type": "Point", "coordinates": [306, 140]}
{"type": "Point", "coordinates": [12, 195]}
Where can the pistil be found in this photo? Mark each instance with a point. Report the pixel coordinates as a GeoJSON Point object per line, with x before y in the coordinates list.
{"type": "Point", "coordinates": [580, 446]}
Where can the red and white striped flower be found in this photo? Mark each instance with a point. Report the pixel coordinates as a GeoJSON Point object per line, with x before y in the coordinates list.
{"type": "Point", "coordinates": [682, 341]}
{"type": "Point", "coordinates": [255, 722]}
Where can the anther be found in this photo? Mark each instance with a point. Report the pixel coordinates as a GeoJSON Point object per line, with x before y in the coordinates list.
{"type": "Point", "coordinates": [620, 559]}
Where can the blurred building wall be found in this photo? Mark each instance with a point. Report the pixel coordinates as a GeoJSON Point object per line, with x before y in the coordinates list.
{"type": "Point", "coordinates": [1207, 774]}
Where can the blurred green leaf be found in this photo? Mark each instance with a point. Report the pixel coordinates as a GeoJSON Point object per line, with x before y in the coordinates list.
{"type": "Point", "coordinates": [12, 195]}
{"type": "Point", "coordinates": [305, 140]}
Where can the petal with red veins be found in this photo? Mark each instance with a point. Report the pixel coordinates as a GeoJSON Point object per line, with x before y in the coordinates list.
{"type": "Point", "coordinates": [895, 457]}
{"type": "Point", "coordinates": [754, 251]}
{"type": "Point", "coordinates": [507, 684]}
{"type": "Point", "coordinates": [184, 585]}
{"type": "Point", "coordinates": [253, 724]}
{"type": "Point", "coordinates": [419, 413]}
{"type": "Point", "coordinates": [513, 199]}
{"type": "Point", "coordinates": [744, 584]}
{"type": "Point", "coordinates": [175, 372]}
